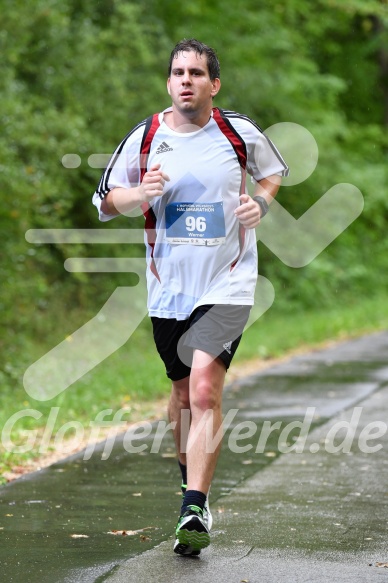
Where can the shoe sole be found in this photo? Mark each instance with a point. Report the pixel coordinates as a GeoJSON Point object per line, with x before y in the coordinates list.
{"type": "Point", "coordinates": [192, 538]}
{"type": "Point", "coordinates": [185, 550]}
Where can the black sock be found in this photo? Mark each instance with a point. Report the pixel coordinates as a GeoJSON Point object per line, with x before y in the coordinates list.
{"type": "Point", "coordinates": [183, 469]}
{"type": "Point", "coordinates": [193, 498]}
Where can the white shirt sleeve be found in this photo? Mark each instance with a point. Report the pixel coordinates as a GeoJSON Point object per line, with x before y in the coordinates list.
{"type": "Point", "coordinates": [263, 158]}
{"type": "Point", "coordinates": [122, 171]}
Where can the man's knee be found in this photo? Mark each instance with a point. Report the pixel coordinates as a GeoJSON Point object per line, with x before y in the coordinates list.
{"type": "Point", "coordinates": [205, 396]}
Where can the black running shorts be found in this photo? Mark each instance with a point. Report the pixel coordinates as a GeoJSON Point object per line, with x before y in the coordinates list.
{"type": "Point", "coordinates": [215, 329]}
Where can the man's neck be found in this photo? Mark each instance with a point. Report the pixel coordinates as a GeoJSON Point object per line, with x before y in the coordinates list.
{"type": "Point", "coordinates": [186, 122]}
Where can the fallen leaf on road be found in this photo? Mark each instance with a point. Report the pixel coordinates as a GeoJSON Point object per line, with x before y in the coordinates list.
{"type": "Point", "coordinates": [79, 536]}
{"type": "Point", "coordinates": [122, 532]}
{"type": "Point", "coordinates": [129, 532]}
{"type": "Point", "coordinates": [382, 565]}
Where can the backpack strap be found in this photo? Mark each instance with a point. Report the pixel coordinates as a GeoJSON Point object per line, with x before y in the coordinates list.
{"type": "Point", "coordinates": [240, 148]}
{"type": "Point", "coordinates": [235, 140]}
{"type": "Point", "coordinates": [152, 124]}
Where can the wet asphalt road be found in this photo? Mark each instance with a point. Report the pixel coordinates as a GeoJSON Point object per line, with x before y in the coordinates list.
{"type": "Point", "coordinates": [319, 514]}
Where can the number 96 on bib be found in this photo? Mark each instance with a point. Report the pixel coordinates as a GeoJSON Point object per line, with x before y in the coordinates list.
{"type": "Point", "coordinates": [194, 223]}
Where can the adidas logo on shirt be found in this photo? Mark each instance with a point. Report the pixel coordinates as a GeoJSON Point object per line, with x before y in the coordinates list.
{"type": "Point", "coordinates": [227, 346]}
{"type": "Point", "coordinates": [164, 147]}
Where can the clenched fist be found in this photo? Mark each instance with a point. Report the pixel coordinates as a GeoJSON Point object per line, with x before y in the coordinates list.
{"type": "Point", "coordinates": [153, 183]}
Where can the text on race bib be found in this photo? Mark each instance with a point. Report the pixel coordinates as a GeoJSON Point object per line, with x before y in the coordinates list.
{"type": "Point", "coordinates": [194, 223]}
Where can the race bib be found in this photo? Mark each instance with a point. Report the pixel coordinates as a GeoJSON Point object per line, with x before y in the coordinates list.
{"type": "Point", "coordinates": [195, 223]}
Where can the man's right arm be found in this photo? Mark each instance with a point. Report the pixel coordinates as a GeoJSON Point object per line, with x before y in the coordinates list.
{"type": "Point", "coordinates": [120, 201]}
{"type": "Point", "coordinates": [123, 200]}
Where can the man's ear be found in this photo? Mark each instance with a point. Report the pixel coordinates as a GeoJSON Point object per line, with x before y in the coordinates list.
{"type": "Point", "coordinates": [216, 86]}
{"type": "Point", "coordinates": [168, 86]}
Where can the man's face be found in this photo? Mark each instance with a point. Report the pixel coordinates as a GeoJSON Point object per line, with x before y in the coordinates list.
{"type": "Point", "coordinates": [189, 85]}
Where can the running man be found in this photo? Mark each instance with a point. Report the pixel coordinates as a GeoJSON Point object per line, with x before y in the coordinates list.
{"type": "Point", "coordinates": [185, 167]}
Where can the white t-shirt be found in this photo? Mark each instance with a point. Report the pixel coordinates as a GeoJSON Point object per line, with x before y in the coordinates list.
{"type": "Point", "coordinates": [201, 253]}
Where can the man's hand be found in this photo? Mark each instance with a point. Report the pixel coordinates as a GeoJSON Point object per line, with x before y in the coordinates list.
{"type": "Point", "coordinates": [124, 200]}
{"type": "Point", "coordinates": [249, 212]}
{"type": "Point", "coordinates": [153, 183]}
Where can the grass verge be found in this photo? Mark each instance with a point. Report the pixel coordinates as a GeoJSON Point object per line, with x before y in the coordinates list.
{"type": "Point", "coordinates": [132, 385]}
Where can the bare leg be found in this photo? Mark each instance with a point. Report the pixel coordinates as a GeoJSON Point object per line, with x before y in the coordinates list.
{"type": "Point", "coordinates": [206, 385]}
{"type": "Point", "coordinates": [179, 411]}
{"type": "Point", "coordinates": [204, 397]}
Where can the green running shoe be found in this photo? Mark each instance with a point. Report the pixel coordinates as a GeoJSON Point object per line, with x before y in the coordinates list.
{"type": "Point", "coordinates": [191, 533]}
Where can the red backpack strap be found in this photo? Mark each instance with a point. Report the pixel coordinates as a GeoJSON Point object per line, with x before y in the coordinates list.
{"type": "Point", "coordinates": [240, 148]}
{"type": "Point", "coordinates": [235, 140]}
{"type": "Point", "coordinates": [152, 124]}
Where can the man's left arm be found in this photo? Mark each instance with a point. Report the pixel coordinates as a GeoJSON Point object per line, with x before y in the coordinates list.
{"type": "Point", "coordinates": [250, 210]}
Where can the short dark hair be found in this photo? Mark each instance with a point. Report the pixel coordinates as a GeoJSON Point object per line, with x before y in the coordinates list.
{"type": "Point", "coordinates": [192, 44]}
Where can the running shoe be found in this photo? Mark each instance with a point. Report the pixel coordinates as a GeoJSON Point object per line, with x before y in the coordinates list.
{"type": "Point", "coordinates": [207, 515]}
{"type": "Point", "coordinates": [191, 532]}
